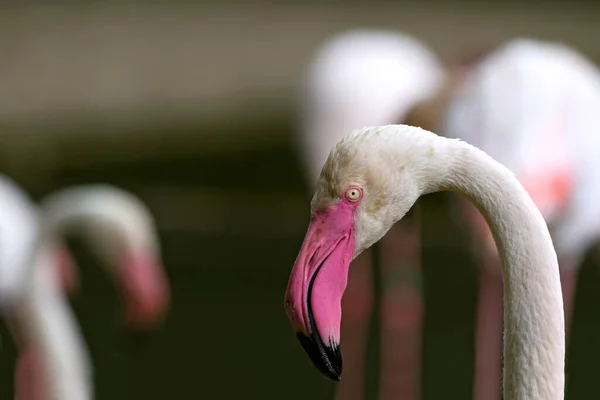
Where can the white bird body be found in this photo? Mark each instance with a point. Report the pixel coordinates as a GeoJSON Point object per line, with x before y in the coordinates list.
{"type": "Point", "coordinates": [358, 78]}
{"type": "Point", "coordinates": [532, 106]}
{"type": "Point", "coordinates": [18, 230]}
{"type": "Point", "coordinates": [370, 180]}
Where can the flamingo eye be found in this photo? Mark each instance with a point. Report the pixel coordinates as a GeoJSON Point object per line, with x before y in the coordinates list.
{"type": "Point", "coordinates": [354, 194]}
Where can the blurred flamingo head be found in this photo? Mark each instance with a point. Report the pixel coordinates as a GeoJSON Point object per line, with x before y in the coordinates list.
{"type": "Point", "coordinates": [121, 231]}
{"type": "Point", "coordinates": [130, 245]}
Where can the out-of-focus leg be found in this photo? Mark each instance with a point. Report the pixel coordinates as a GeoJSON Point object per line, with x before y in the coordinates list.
{"type": "Point", "coordinates": [402, 311]}
{"type": "Point", "coordinates": [488, 334]}
{"type": "Point", "coordinates": [356, 312]}
{"type": "Point", "coordinates": [568, 280]}
{"type": "Point", "coordinates": [28, 378]}
{"type": "Point", "coordinates": [488, 323]}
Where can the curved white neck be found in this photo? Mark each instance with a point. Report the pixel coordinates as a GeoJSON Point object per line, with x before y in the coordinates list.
{"type": "Point", "coordinates": [45, 317]}
{"type": "Point", "coordinates": [534, 331]}
{"type": "Point", "coordinates": [51, 330]}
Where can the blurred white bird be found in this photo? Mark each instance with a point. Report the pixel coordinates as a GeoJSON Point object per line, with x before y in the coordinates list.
{"type": "Point", "coordinates": [54, 363]}
{"type": "Point", "coordinates": [533, 106]}
{"type": "Point", "coordinates": [33, 305]}
{"type": "Point", "coordinates": [359, 78]}
{"type": "Point", "coordinates": [121, 231]}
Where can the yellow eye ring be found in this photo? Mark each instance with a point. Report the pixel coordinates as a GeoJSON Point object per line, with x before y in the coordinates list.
{"type": "Point", "coordinates": [354, 194]}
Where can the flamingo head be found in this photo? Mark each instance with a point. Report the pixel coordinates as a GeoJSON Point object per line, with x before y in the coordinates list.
{"type": "Point", "coordinates": [123, 236]}
{"type": "Point", "coordinates": [358, 199]}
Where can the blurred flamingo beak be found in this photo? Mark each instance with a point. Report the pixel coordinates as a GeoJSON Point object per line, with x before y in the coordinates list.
{"type": "Point", "coordinates": [145, 289]}
{"type": "Point", "coordinates": [28, 377]}
{"type": "Point", "coordinates": [65, 269]}
{"type": "Point", "coordinates": [317, 283]}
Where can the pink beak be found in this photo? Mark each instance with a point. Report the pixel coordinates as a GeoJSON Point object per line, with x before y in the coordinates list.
{"type": "Point", "coordinates": [65, 269]}
{"type": "Point", "coordinates": [145, 290]}
{"type": "Point", "coordinates": [313, 299]}
{"type": "Point", "coordinates": [28, 377]}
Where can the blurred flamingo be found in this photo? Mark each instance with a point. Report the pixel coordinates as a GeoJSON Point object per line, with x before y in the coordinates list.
{"type": "Point", "coordinates": [54, 363]}
{"type": "Point", "coordinates": [121, 231]}
{"type": "Point", "coordinates": [33, 305]}
{"type": "Point", "coordinates": [357, 78]}
{"type": "Point", "coordinates": [533, 106]}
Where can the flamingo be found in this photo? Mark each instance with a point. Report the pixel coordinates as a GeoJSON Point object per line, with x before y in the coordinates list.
{"type": "Point", "coordinates": [54, 363]}
{"type": "Point", "coordinates": [357, 78]}
{"type": "Point", "coordinates": [23, 305]}
{"type": "Point", "coordinates": [532, 105]}
{"type": "Point", "coordinates": [370, 180]}
{"type": "Point", "coordinates": [121, 230]}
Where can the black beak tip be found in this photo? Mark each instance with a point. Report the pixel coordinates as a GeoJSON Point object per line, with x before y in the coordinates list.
{"type": "Point", "coordinates": [327, 359]}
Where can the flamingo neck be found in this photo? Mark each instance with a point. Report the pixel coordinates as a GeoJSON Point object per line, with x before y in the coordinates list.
{"type": "Point", "coordinates": [534, 329]}
{"type": "Point", "coordinates": [50, 330]}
